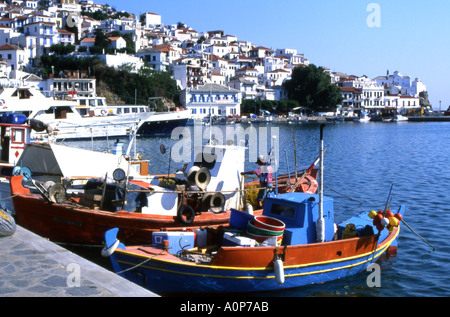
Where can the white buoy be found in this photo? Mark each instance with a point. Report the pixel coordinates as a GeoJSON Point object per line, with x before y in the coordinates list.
{"type": "Point", "coordinates": [279, 271]}
{"type": "Point", "coordinates": [248, 209]}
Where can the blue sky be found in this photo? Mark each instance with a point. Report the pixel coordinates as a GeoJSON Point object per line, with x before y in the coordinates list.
{"type": "Point", "coordinates": [412, 37]}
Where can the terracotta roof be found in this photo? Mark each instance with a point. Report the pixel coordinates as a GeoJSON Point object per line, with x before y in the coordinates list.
{"type": "Point", "coordinates": [351, 89]}
{"type": "Point", "coordinates": [48, 23]}
{"type": "Point", "coordinates": [279, 71]}
{"type": "Point", "coordinates": [8, 47]}
{"type": "Point", "coordinates": [88, 40]}
{"type": "Point", "coordinates": [64, 31]}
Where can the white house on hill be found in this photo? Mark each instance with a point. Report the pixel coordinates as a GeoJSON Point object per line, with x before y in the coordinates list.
{"type": "Point", "coordinates": [213, 99]}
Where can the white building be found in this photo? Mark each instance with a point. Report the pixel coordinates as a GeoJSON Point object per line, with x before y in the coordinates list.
{"type": "Point", "coordinates": [155, 58]}
{"type": "Point", "coordinates": [218, 49]}
{"type": "Point", "coordinates": [65, 37]}
{"type": "Point", "coordinates": [72, 84]}
{"type": "Point", "coordinates": [213, 99]}
{"type": "Point", "coordinates": [15, 57]}
{"type": "Point", "coordinates": [150, 19]}
{"type": "Point", "coordinates": [373, 96]}
{"type": "Point", "coordinates": [45, 33]}
{"type": "Point", "coordinates": [245, 86]}
{"type": "Point", "coordinates": [293, 57]}
{"type": "Point", "coordinates": [401, 84]}
{"type": "Point", "coordinates": [352, 98]}
{"type": "Point", "coordinates": [188, 75]}
{"type": "Point", "coordinates": [122, 60]}
{"type": "Point", "coordinates": [401, 103]}
{"type": "Point", "coordinates": [116, 42]}
{"type": "Point", "coordinates": [276, 77]}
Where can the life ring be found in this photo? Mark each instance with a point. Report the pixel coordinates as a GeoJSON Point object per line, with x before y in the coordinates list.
{"type": "Point", "coordinates": [186, 214]}
{"type": "Point", "coordinates": [103, 112]}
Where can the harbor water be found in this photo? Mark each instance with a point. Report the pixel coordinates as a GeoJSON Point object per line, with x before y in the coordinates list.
{"type": "Point", "coordinates": [362, 161]}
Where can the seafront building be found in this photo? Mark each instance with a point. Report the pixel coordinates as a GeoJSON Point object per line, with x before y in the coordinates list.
{"type": "Point", "coordinates": [212, 100]}
{"type": "Point", "coordinates": [236, 69]}
{"type": "Point", "coordinates": [378, 95]}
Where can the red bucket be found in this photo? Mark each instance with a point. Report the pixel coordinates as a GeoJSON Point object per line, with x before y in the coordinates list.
{"type": "Point", "coordinates": [269, 223]}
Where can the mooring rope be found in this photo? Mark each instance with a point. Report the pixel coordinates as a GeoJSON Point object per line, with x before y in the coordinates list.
{"type": "Point", "coordinates": [139, 264]}
{"type": "Point", "coordinates": [9, 197]}
{"type": "Point", "coordinates": [343, 195]}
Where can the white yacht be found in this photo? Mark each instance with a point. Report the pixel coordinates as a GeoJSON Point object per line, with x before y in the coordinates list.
{"type": "Point", "coordinates": [69, 119]}
{"type": "Point", "coordinates": [398, 118]}
{"type": "Point", "coordinates": [364, 117]}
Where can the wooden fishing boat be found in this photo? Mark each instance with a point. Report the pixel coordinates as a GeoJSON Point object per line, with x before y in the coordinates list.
{"type": "Point", "coordinates": [294, 242]}
{"type": "Point", "coordinates": [179, 265]}
{"type": "Point", "coordinates": [202, 196]}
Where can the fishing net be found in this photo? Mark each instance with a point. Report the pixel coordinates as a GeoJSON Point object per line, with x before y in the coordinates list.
{"type": "Point", "coordinates": [7, 224]}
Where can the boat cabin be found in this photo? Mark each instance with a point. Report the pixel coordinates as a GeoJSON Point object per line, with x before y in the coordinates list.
{"type": "Point", "coordinates": [14, 137]}
{"type": "Point", "coordinates": [300, 211]}
{"type": "Point", "coordinates": [97, 106]}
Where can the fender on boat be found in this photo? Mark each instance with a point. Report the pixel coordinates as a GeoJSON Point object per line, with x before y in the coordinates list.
{"type": "Point", "coordinates": [186, 214]}
{"type": "Point", "coordinates": [279, 271]}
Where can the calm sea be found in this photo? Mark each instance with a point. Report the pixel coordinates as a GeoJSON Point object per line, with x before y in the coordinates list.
{"type": "Point", "coordinates": [362, 161]}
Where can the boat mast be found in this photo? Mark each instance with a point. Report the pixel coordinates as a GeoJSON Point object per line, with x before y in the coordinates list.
{"type": "Point", "coordinates": [320, 220]}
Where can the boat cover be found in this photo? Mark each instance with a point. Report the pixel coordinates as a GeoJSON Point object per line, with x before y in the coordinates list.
{"type": "Point", "coordinates": [65, 161]}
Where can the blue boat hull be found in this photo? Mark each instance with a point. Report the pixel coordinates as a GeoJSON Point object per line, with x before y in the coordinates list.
{"type": "Point", "coordinates": [169, 277]}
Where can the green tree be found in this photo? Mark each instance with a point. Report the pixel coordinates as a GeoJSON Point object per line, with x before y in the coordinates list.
{"type": "Point", "coordinates": [62, 49]}
{"type": "Point", "coordinates": [147, 82]}
{"type": "Point", "coordinates": [312, 88]}
{"type": "Point", "coordinates": [44, 4]}
{"type": "Point", "coordinates": [101, 40]}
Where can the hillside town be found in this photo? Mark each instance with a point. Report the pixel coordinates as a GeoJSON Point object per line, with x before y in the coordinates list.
{"type": "Point", "coordinates": [214, 71]}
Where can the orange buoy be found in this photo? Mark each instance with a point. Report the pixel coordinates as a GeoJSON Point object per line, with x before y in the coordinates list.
{"type": "Point", "coordinates": [377, 219]}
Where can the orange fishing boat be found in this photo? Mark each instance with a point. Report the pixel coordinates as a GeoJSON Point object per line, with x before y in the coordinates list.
{"type": "Point", "coordinates": [203, 196]}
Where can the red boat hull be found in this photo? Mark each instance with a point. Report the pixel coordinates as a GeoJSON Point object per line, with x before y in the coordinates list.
{"type": "Point", "coordinates": [69, 223]}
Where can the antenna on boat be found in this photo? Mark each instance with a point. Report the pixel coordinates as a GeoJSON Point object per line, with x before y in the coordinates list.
{"type": "Point", "coordinates": [320, 220]}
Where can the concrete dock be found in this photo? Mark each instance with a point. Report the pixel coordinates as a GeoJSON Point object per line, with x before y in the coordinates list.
{"type": "Point", "coordinates": [31, 266]}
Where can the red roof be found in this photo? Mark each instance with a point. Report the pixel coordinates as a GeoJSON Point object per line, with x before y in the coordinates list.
{"type": "Point", "coordinates": [351, 89]}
